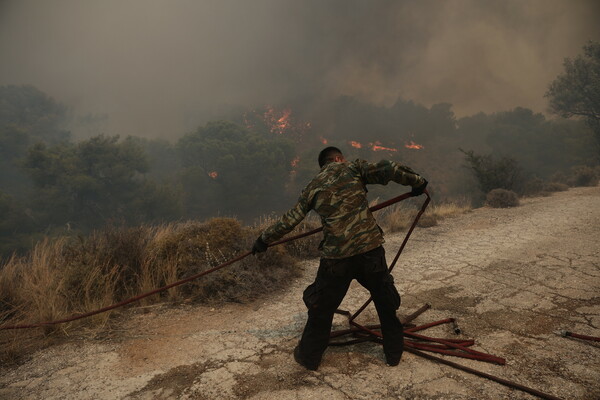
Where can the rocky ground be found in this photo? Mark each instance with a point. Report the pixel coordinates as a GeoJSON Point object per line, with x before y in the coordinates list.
{"type": "Point", "coordinates": [511, 277]}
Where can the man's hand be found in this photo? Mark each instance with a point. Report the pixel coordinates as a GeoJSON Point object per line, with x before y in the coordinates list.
{"type": "Point", "coordinates": [259, 246]}
{"type": "Point", "coordinates": [418, 190]}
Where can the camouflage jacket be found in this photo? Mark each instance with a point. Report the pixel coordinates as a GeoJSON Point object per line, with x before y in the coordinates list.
{"type": "Point", "coordinates": [338, 195]}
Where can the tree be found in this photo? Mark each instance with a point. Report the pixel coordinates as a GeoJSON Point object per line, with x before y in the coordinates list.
{"type": "Point", "coordinates": [576, 92]}
{"type": "Point", "coordinates": [162, 155]}
{"type": "Point", "coordinates": [541, 147]}
{"type": "Point", "coordinates": [15, 226]}
{"type": "Point", "coordinates": [27, 116]}
{"type": "Point", "coordinates": [493, 174]}
{"type": "Point", "coordinates": [31, 110]}
{"type": "Point", "coordinates": [230, 170]}
{"type": "Point", "coordinates": [93, 182]}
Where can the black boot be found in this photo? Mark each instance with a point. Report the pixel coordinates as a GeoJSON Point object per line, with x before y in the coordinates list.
{"type": "Point", "coordinates": [301, 361]}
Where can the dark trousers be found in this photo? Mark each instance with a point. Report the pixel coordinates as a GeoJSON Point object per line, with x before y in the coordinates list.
{"type": "Point", "coordinates": [326, 293]}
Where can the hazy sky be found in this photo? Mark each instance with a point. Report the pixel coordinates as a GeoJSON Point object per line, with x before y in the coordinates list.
{"type": "Point", "coordinates": [160, 67]}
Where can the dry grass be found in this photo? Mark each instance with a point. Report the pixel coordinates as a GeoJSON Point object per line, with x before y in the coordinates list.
{"type": "Point", "coordinates": [63, 277]}
{"type": "Point", "coordinates": [452, 209]}
{"type": "Point", "coordinates": [32, 285]}
{"type": "Point", "coordinates": [400, 217]}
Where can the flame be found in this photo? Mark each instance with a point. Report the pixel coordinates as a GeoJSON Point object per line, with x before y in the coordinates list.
{"type": "Point", "coordinates": [295, 162]}
{"type": "Point", "coordinates": [377, 147]}
{"type": "Point", "coordinates": [413, 145]}
{"type": "Point", "coordinates": [284, 122]}
{"type": "Point", "coordinates": [278, 122]}
{"type": "Point", "coordinates": [213, 174]}
{"type": "Point", "coordinates": [323, 140]}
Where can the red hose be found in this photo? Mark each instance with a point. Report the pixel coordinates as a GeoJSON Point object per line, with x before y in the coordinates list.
{"type": "Point", "coordinates": [582, 337]}
{"type": "Point", "coordinates": [502, 381]}
{"type": "Point", "coordinates": [186, 280]}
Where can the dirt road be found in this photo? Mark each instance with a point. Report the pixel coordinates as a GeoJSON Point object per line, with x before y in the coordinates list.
{"type": "Point", "coordinates": [510, 276]}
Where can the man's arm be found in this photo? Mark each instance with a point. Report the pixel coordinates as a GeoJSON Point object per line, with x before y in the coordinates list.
{"type": "Point", "coordinates": [386, 170]}
{"type": "Point", "coordinates": [284, 225]}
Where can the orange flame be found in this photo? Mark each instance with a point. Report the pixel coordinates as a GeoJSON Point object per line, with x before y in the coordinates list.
{"type": "Point", "coordinates": [284, 121]}
{"type": "Point", "coordinates": [213, 174]}
{"type": "Point", "coordinates": [295, 162]}
{"type": "Point", "coordinates": [413, 145]}
{"type": "Point", "coordinates": [323, 140]}
{"type": "Point", "coordinates": [377, 147]}
{"type": "Point", "coordinates": [355, 144]}
{"type": "Point", "coordinates": [278, 123]}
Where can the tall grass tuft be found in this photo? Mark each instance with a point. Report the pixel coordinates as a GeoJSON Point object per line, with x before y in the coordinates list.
{"type": "Point", "coordinates": [400, 217]}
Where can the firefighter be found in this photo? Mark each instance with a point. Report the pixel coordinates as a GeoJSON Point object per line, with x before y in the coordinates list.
{"type": "Point", "coordinates": [351, 249]}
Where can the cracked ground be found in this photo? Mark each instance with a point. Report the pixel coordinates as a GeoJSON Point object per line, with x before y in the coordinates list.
{"type": "Point", "coordinates": [511, 277]}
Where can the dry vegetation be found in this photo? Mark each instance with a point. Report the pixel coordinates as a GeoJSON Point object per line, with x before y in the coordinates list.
{"type": "Point", "coordinates": [63, 277]}
{"type": "Point", "coordinates": [502, 198]}
{"type": "Point", "coordinates": [399, 217]}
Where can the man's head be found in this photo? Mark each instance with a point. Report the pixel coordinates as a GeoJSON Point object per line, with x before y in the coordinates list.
{"type": "Point", "coordinates": [330, 154]}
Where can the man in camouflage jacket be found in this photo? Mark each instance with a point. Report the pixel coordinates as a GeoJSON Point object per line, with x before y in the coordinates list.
{"type": "Point", "coordinates": [351, 249]}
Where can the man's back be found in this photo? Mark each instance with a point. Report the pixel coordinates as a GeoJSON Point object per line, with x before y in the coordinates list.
{"type": "Point", "coordinates": [338, 195]}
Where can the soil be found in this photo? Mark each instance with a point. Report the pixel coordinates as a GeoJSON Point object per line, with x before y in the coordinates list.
{"type": "Point", "coordinates": [511, 277]}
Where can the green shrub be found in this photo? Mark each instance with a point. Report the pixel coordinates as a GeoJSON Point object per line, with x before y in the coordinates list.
{"type": "Point", "coordinates": [502, 198]}
{"type": "Point", "coordinates": [559, 176]}
{"type": "Point", "coordinates": [535, 187]}
{"type": "Point", "coordinates": [582, 175]}
{"type": "Point", "coordinates": [555, 187]}
{"type": "Point", "coordinates": [493, 173]}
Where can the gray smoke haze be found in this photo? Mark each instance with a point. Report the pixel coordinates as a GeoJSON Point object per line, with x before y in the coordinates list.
{"type": "Point", "coordinates": [160, 68]}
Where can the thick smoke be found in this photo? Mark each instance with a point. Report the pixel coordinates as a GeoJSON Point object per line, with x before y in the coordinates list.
{"type": "Point", "coordinates": [160, 68]}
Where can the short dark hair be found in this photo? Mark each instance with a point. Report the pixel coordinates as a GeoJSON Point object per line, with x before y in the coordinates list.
{"type": "Point", "coordinates": [328, 154]}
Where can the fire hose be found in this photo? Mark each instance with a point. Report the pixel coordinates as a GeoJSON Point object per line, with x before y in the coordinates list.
{"type": "Point", "coordinates": [456, 347]}
{"type": "Point", "coordinates": [578, 336]}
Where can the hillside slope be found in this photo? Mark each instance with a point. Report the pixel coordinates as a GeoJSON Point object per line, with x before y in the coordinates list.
{"type": "Point", "coordinates": [510, 276]}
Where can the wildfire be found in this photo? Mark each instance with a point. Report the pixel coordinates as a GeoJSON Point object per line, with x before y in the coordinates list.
{"type": "Point", "coordinates": [295, 162]}
{"type": "Point", "coordinates": [413, 145]}
{"type": "Point", "coordinates": [278, 122]}
{"type": "Point", "coordinates": [377, 147]}
{"type": "Point", "coordinates": [213, 174]}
